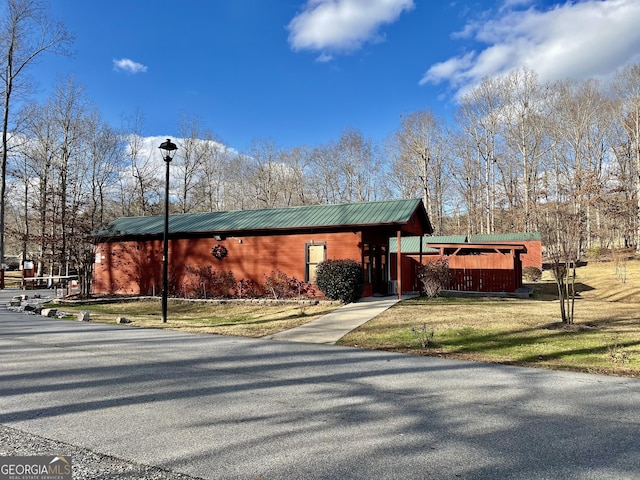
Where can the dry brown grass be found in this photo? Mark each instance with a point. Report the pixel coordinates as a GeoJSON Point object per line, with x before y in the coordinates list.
{"type": "Point", "coordinates": [247, 320]}
{"type": "Point", "coordinates": [604, 339]}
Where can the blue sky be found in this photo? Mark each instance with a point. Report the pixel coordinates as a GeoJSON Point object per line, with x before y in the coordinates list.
{"type": "Point", "coordinates": [300, 72]}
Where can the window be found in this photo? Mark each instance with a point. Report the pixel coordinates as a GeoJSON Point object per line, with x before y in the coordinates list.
{"type": "Point", "coordinates": [314, 255]}
{"type": "Point", "coordinates": [367, 256]}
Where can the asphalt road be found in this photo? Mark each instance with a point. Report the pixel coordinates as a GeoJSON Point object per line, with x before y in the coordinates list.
{"type": "Point", "coordinates": [234, 408]}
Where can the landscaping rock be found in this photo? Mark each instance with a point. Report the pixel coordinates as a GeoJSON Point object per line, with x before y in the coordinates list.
{"type": "Point", "coordinates": [122, 320]}
{"type": "Point", "coordinates": [15, 302]}
{"type": "Point", "coordinates": [83, 316]}
{"type": "Point", "coordinates": [49, 312]}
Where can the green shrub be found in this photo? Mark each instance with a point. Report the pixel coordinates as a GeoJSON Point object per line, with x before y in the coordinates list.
{"type": "Point", "coordinates": [340, 279]}
{"type": "Point", "coordinates": [531, 274]}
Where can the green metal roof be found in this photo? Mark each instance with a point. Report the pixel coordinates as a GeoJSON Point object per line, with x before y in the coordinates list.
{"type": "Point", "coordinates": [412, 245]}
{"type": "Point", "coordinates": [505, 237]}
{"type": "Point", "coordinates": [355, 214]}
{"type": "Point", "coordinates": [446, 239]}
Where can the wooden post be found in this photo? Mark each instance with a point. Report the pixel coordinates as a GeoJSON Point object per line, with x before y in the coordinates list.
{"type": "Point", "coordinates": [415, 277]}
{"type": "Point", "coordinates": [399, 265]}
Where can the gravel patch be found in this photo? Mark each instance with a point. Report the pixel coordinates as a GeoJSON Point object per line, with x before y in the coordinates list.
{"type": "Point", "coordinates": [87, 465]}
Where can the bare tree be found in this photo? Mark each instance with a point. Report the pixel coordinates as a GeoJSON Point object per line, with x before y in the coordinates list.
{"type": "Point", "coordinates": [627, 88]}
{"type": "Point", "coordinates": [360, 165]}
{"type": "Point", "coordinates": [40, 153]}
{"type": "Point", "coordinates": [479, 118]}
{"type": "Point", "coordinates": [103, 159]}
{"type": "Point", "coordinates": [267, 173]}
{"type": "Point", "coordinates": [418, 151]}
{"type": "Point", "coordinates": [467, 181]}
{"type": "Point", "coordinates": [215, 172]}
{"type": "Point", "coordinates": [27, 32]}
{"type": "Point", "coordinates": [140, 186]}
{"type": "Point", "coordinates": [295, 187]}
{"type": "Point", "coordinates": [324, 176]}
{"type": "Point", "coordinates": [192, 152]}
{"type": "Point", "coordinates": [525, 116]}
{"type": "Point", "coordinates": [621, 203]}
{"type": "Point", "coordinates": [584, 120]}
{"type": "Point", "coordinates": [70, 161]}
{"type": "Point", "coordinates": [562, 235]}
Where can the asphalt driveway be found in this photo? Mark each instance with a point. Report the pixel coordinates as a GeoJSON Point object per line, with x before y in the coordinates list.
{"type": "Point", "coordinates": [234, 408]}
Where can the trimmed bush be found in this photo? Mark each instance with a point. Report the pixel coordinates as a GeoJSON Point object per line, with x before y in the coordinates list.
{"type": "Point", "coordinates": [340, 280]}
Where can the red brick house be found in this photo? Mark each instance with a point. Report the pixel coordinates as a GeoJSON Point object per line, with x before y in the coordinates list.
{"type": "Point", "coordinates": [479, 263]}
{"type": "Point", "coordinates": [256, 243]}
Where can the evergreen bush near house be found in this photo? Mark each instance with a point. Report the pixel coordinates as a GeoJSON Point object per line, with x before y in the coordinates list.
{"type": "Point", "coordinates": [340, 280]}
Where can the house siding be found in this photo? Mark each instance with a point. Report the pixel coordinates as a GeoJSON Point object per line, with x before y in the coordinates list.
{"type": "Point", "coordinates": [533, 255]}
{"type": "Point", "coordinates": [135, 267]}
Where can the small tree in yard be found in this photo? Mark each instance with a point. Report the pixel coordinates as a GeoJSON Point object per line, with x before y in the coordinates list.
{"type": "Point", "coordinates": [563, 241]}
{"type": "Point", "coordinates": [340, 280]}
{"type": "Point", "coordinates": [435, 276]}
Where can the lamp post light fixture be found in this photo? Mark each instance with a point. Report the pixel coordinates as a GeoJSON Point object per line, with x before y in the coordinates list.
{"type": "Point", "coordinates": [168, 151]}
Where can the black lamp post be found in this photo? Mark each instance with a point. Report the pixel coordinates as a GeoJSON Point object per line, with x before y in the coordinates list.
{"type": "Point", "coordinates": [168, 151]}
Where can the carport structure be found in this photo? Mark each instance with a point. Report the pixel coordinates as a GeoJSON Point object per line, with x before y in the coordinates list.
{"type": "Point", "coordinates": [475, 267]}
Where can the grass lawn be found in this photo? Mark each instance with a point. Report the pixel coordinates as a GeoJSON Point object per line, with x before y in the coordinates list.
{"type": "Point", "coordinates": [246, 320]}
{"type": "Point", "coordinates": [604, 339]}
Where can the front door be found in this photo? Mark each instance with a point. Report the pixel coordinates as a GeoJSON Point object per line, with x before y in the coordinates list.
{"type": "Point", "coordinates": [375, 267]}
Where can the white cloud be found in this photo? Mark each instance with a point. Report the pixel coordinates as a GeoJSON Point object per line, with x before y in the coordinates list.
{"type": "Point", "coordinates": [150, 161]}
{"type": "Point", "coordinates": [128, 65]}
{"type": "Point", "coordinates": [342, 25]}
{"type": "Point", "coordinates": [324, 58]}
{"type": "Point", "coordinates": [581, 39]}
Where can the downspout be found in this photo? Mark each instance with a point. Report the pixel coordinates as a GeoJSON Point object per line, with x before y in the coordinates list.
{"type": "Point", "coordinates": [417, 285]}
{"type": "Point", "coordinates": [399, 265]}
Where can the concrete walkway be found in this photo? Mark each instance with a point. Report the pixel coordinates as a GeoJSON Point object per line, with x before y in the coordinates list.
{"type": "Point", "coordinates": [330, 328]}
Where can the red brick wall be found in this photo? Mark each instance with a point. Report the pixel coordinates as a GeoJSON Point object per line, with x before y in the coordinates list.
{"type": "Point", "coordinates": [135, 267]}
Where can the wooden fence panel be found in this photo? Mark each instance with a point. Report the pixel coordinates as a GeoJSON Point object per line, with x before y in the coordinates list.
{"type": "Point", "coordinates": [487, 280]}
